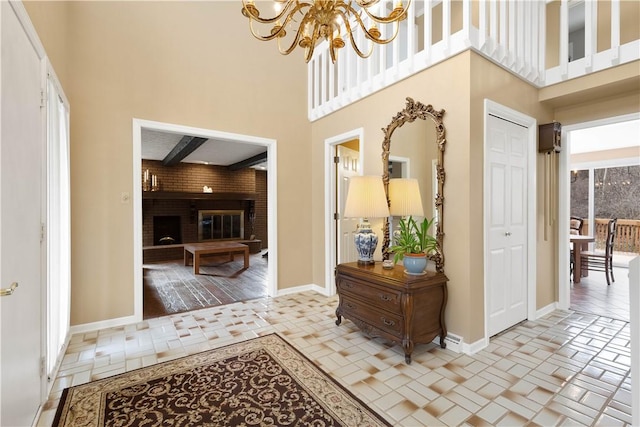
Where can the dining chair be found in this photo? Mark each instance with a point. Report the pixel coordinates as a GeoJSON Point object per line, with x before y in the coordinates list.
{"type": "Point", "coordinates": [575, 227]}
{"type": "Point", "coordinates": [602, 261]}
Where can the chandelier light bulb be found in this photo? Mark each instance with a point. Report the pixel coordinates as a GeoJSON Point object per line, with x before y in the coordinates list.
{"type": "Point", "coordinates": [316, 21]}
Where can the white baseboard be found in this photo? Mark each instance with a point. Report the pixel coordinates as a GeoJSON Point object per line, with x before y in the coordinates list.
{"type": "Point", "coordinates": [546, 310]}
{"type": "Point", "coordinates": [456, 343]}
{"type": "Point", "coordinates": [104, 324]}
{"type": "Point", "coordinates": [453, 342]}
{"type": "Point", "coordinates": [303, 288]}
{"type": "Point", "coordinates": [475, 347]}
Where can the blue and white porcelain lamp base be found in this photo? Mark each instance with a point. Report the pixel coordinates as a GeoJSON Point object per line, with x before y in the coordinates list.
{"type": "Point", "coordinates": [366, 242]}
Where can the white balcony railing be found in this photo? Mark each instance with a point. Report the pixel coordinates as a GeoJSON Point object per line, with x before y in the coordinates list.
{"type": "Point", "coordinates": [528, 38]}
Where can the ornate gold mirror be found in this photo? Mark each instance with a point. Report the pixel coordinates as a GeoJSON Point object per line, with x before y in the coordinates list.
{"type": "Point", "coordinates": [417, 152]}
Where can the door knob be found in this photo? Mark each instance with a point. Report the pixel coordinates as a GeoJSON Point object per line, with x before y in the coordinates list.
{"type": "Point", "coordinates": [8, 291]}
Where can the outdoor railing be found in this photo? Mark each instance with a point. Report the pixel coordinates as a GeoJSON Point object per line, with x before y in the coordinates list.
{"type": "Point", "coordinates": [528, 38]}
{"type": "Point", "coordinates": [627, 235]}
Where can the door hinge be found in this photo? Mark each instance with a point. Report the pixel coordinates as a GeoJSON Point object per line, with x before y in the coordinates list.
{"type": "Point", "coordinates": [336, 216]}
{"type": "Point", "coordinates": [42, 231]}
{"type": "Point", "coordinates": [42, 366]}
{"type": "Point", "coordinates": [336, 159]}
{"type": "Point", "coordinates": [43, 99]}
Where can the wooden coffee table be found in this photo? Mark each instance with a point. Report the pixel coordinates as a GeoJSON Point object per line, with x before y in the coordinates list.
{"type": "Point", "coordinates": [196, 250]}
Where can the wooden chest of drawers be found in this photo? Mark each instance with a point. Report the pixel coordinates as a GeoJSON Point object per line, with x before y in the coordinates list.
{"type": "Point", "coordinates": [404, 309]}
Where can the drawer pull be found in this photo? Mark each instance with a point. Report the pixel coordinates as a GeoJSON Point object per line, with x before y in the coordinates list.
{"type": "Point", "coordinates": [385, 297]}
{"type": "Point", "coordinates": [350, 306]}
{"type": "Point", "coordinates": [387, 322]}
{"type": "Point", "coordinates": [347, 285]}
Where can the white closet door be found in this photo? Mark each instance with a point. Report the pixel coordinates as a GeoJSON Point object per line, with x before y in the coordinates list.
{"type": "Point", "coordinates": [507, 234]}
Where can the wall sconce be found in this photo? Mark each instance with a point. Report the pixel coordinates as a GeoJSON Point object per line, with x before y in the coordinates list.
{"type": "Point", "coordinates": [366, 199]}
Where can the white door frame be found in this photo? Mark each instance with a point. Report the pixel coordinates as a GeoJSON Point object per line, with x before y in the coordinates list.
{"type": "Point", "coordinates": [564, 208]}
{"type": "Point", "coordinates": [406, 161]}
{"type": "Point", "coordinates": [272, 230]}
{"type": "Point", "coordinates": [495, 109]}
{"type": "Point", "coordinates": [58, 276]}
{"type": "Point", "coordinates": [330, 241]}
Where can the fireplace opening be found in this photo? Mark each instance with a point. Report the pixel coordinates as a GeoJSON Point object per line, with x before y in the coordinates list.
{"type": "Point", "coordinates": [166, 230]}
{"type": "Point", "coordinates": [220, 225]}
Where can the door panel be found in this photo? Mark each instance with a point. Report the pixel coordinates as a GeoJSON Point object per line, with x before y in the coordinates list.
{"type": "Point", "coordinates": [497, 202]}
{"type": "Point", "coordinates": [517, 197]}
{"type": "Point", "coordinates": [507, 238]}
{"type": "Point", "coordinates": [21, 148]}
{"type": "Point", "coordinates": [496, 291]}
{"type": "Point", "coordinates": [516, 266]}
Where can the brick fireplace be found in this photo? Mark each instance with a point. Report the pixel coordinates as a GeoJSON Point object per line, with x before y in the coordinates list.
{"type": "Point", "coordinates": [181, 198]}
{"type": "Point", "coordinates": [167, 230]}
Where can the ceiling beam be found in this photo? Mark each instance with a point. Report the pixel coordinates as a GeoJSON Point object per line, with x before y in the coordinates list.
{"type": "Point", "coordinates": [247, 163]}
{"type": "Point", "coordinates": [184, 147]}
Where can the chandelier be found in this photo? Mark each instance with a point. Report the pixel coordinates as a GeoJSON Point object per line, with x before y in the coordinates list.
{"type": "Point", "coordinates": [314, 20]}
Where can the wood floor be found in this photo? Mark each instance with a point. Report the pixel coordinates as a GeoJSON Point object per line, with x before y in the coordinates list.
{"type": "Point", "coordinates": [171, 287]}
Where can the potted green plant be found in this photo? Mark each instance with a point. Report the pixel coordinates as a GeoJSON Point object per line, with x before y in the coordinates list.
{"type": "Point", "coordinates": [412, 244]}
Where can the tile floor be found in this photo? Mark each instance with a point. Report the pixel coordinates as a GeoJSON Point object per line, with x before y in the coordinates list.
{"type": "Point", "coordinates": [593, 295]}
{"type": "Point", "coordinates": [565, 369]}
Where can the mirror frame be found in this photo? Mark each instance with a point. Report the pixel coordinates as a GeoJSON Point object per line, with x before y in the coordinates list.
{"type": "Point", "coordinates": [412, 111]}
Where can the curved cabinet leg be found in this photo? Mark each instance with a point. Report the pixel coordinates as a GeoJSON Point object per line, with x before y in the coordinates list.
{"type": "Point", "coordinates": [407, 346]}
{"type": "Point", "coordinates": [339, 320]}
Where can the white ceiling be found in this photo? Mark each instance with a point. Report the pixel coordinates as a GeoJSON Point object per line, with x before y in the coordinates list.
{"type": "Point", "coordinates": [156, 145]}
{"type": "Point", "coordinates": [607, 137]}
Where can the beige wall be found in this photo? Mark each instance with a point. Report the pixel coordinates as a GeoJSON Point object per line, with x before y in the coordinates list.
{"type": "Point", "coordinates": [602, 108]}
{"type": "Point", "coordinates": [552, 36]}
{"type": "Point", "coordinates": [51, 20]}
{"type": "Point", "coordinates": [169, 62]}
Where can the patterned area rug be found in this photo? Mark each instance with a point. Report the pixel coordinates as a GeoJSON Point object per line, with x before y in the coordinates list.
{"type": "Point", "coordinates": [262, 381]}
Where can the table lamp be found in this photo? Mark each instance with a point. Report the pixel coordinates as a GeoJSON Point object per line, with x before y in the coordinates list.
{"type": "Point", "coordinates": [404, 197]}
{"type": "Point", "coordinates": [366, 199]}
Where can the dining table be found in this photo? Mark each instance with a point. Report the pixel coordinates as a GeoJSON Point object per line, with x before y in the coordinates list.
{"type": "Point", "coordinates": [579, 242]}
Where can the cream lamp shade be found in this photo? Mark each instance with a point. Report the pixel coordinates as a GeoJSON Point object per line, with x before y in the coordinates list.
{"type": "Point", "coordinates": [404, 197]}
{"type": "Point", "coordinates": [366, 199]}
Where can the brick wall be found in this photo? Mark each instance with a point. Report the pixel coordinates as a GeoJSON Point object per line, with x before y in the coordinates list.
{"type": "Point", "coordinates": [260, 224]}
{"type": "Point", "coordinates": [187, 210]}
{"type": "Point", "coordinates": [187, 177]}
{"type": "Point", "coordinates": [191, 177]}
